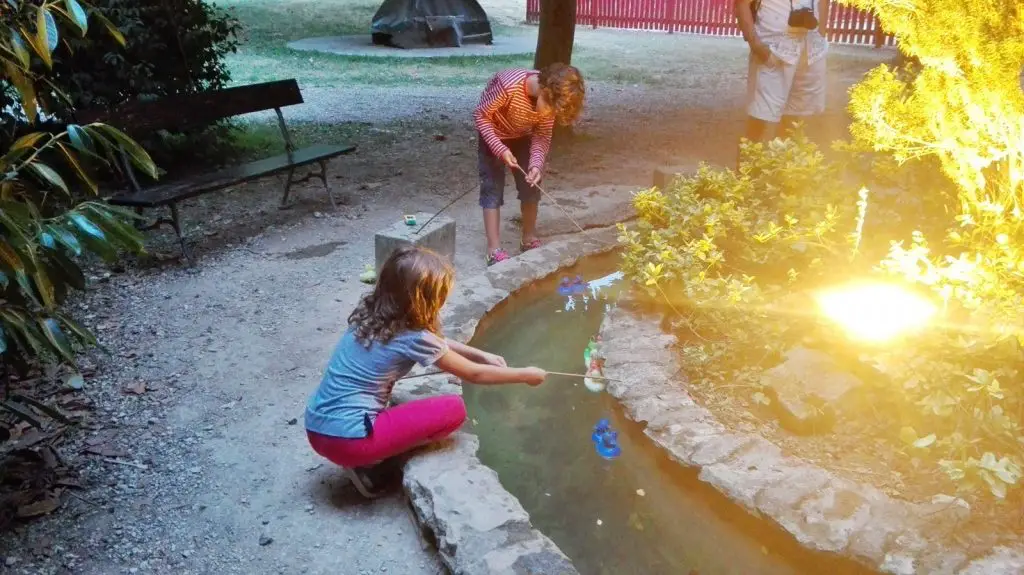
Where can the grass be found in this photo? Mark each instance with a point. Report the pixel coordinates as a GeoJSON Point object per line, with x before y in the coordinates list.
{"type": "Point", "coordinates": [255, 140]}
{"type": "Point", "coordinates": [651, 59]}
{"type": "Point", "coordinates": [268, 25]}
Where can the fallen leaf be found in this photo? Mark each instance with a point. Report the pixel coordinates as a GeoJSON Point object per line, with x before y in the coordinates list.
{"type": "Point", "coordinates": [41, 507]}
{"type": "Point", "coordinates": [75, 381]}
{"type": "Point", "coordinates": [137, 389]}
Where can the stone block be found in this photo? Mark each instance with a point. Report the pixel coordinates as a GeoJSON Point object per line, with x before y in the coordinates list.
{"type": "Point", "coordinates": [439, 236]}
{"type": "Point", "coordinates": [665, 175]}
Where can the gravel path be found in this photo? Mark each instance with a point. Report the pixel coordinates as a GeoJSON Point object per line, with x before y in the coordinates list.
{"type": "Point", "coordinates": [219, 478]}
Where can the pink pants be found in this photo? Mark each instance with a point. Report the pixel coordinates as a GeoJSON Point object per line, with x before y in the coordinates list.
{"type": "Point", "coordinates": [396, 430]}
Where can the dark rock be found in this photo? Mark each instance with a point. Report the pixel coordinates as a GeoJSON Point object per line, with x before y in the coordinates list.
{"type": "Point", "coordinates": [808, 391]}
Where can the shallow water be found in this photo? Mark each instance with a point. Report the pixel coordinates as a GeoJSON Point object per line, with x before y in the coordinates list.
{"type": "Point", "coordinates": [640, 513]}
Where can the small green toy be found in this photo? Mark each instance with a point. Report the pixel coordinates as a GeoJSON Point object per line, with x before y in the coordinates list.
{"type": "Point", "coordinates": [369, 275]}
{"type": "Point", "coordinates": [410, 220]}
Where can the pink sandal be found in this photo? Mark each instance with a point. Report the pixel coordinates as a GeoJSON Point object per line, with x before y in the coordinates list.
{"type": "Point", "coordinates": [498, 255]}
{"type": "Point", "coordinates": [531, 245]}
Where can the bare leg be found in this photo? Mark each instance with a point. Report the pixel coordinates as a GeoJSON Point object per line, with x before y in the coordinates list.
{"type": "Point", "coordinates": [757, 131]}
{"type": "Point", "coordinates": [787, 125]}
{"type": "Point", "coordinates": [492, 227]}
{"type": "Point", "coordinates": [529, 211]}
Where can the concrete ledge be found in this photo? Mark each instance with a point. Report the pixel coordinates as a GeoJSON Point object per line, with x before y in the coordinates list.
{"type": "Point", "coordinates": [480, 528]}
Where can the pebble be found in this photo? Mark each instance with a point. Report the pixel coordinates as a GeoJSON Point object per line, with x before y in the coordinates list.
{"type": "Point", "coordinates": [265, 540]}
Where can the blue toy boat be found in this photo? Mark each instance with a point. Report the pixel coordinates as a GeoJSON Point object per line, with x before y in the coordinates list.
{"type": "Point", "coordinates": [600, 430]}
{"type": "Point", "coordinates": [608, 447]}
{"type": "Point", "coordinates": [565, 287]}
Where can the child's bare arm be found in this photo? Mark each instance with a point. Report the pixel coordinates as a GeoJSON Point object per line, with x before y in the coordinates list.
{"type": "Point", "coordinates": [484, 374]}
{"type": "Point", "coordinates": [474, 354]}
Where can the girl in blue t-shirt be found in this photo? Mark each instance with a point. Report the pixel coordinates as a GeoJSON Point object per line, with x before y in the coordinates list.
{"type": "Point", "coordinates": [348, 420]}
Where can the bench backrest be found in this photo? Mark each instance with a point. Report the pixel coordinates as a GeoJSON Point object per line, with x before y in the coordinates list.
{"type": "Point", "coordinates": [184, 111]}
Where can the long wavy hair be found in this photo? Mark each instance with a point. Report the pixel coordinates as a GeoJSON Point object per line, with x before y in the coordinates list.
{"type": "Point", "coordinates": [564, 88]}
{"type": "Point", "coordinates": [411, 289]}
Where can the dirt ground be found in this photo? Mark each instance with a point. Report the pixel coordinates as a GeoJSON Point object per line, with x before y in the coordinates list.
{"type": "Point", "coordinates": [206, 470]}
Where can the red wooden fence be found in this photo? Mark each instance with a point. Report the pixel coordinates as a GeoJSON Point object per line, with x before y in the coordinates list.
{"type": "Point", "coordinates": [846, 25]}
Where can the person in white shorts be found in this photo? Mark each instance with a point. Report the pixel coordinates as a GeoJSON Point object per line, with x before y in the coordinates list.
{"type": "Point", "coordinates": [787, 75]}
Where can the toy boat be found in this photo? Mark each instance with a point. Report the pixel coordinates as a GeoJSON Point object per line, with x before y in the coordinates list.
{"type": "Point", "coordinates": [603, 427]}
{"type": "Point", "coordinates": [565, 287]}
{"type": "Point", "coordinates": [608, 447]}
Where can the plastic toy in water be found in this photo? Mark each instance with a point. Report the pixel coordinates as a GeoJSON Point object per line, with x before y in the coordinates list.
{"type": "Point", "coordinates": [608, 446]}
{"type": "Point", "coordinates": [565, 287]}
{"type": "Point", "coordinates": [578, 285]}
{"type": "Point", "coordinates": [600, 430]}
{"type": "Point", "coordinates": [570, 304]}
{"type": "Point", "coordinates": [594, 371]}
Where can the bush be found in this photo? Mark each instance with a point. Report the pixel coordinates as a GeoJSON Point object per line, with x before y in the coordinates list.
{"type": "Point", "coordinates": [722, 247]}
{"type": "Point", "coordinates": [169, 47]}
{"type": "Point", "coordinates": [44, 225]}
{"type": "Point", "coordinates": [963, 109]}
{"type": "Point", "coordinates": [735, 257]}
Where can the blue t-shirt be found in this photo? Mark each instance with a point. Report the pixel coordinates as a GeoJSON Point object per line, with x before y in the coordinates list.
{"type": "Point", "coordinates": [357, 382]}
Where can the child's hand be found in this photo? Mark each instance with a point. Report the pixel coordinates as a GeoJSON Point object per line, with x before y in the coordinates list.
{"type": "Point", "coordinates": [534, 376]}
{"type": "Point", "coordinates": [492, 359]}
{"type": "Point", "coordinates": [510, 160]}
{"type": "Point", "coordinates": [533, 178]}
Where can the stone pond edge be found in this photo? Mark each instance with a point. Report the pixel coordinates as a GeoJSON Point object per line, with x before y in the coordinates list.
{"type": "Point", "coordinates": [481, 529]}
{"type": "Point", "coordinates": [478, 527]}
{"type": "Point", "coordinates": [821, 510]}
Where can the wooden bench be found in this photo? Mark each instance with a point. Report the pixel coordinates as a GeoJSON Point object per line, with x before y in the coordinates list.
{"type": "Point", "coordinates": [189, 112]}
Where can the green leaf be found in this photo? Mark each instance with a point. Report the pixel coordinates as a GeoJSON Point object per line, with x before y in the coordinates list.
{"type": "Point", "coordinates": [26, 90]}
{"type": "Point", "coordinates": [59, 341]}
{"type": "Point", "coordinates": [69, 270]}
{"type": "Point", "coordinates": [39, 42]}
{"type": "Point", "coordinates": [126, 235]}
{"type": "Point", "coordinates": [66, 238]}
{"type": "Point", "coordinates": [79, 169]}
{"type": "Point", "coordinates": [136, 154]}
{"type": "Point", "coordinates": [27, 141]}
{"type": "Point", "coordinates": [78, 14]}
{"type": "Point", "coordinates": [47, 174]}
{"type": "Point", "coordinates": [924, 441]}
{"type": "Point", "coordinates": [77, 330]}
{"type": "Point", "coordinates": [3, 341]}
{"type": "Point", "coordinates": [41, 407]}
{"type": "Point", "coordinates": [21, 412]}
{"type": "Point", "coordinates": [80, 138]}
{"type": "Point", "coordinates": [45, 287]}
{"type": "Point", "coordinates": [111, 29]}
{"type": "Point", "coordinates": [86, 226]}
{"type": "Point", "coordinates": [52, 34]}
{"type": "Point", "coordinates": [20, 49]}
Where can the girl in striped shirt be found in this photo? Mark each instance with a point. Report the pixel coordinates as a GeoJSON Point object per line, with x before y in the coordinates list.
{"type": "Point", "coordinates": [515, 119]}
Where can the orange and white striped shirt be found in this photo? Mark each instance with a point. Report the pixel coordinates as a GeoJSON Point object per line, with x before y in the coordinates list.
{"type": "Point", "coordinates": [507, 112]}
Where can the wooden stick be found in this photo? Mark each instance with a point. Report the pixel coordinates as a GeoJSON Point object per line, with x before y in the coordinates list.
{"type": "Point", "coordinates": [601, 377]}
{"type": "Point", "coordinates": [563, 374]}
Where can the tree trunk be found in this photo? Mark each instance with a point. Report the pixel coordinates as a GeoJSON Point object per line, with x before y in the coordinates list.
{"type": "Point", "coordinates": [556, 34]}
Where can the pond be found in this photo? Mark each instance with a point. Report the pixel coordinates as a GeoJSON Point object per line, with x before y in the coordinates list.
{"type": "Point", "coordinates": [638, 513]}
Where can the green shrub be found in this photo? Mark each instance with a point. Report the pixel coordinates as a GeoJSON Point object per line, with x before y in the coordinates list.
{"type": "Point", "coordinates": [170, 47]}
{"type": "Point", "coordinates": [720, 247]}
{"type": "Point", "coordinates": [44, 225]}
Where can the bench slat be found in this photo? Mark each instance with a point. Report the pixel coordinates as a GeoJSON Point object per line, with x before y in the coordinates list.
{"type": "Point", "coordinates": [164, 194]}
{"type": "Point", "coordinates": [185, 111]}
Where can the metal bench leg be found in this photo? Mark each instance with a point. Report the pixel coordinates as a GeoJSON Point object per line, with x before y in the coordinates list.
{"type": "Point", "coordinates": [323, 178]}
{"type": "Point", "coordinates": [287, 189]}
{"type": "Point", "coordinates": [176, 224]}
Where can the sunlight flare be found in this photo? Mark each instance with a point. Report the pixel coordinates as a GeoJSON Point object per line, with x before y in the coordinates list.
{"type": "Point", "coordinates": [875, 312]}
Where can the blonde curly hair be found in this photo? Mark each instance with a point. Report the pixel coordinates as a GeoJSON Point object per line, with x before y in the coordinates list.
{"type": "Point", "coordinates": [564, 88]}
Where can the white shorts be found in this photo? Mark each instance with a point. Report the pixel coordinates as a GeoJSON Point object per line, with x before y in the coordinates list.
{"type": "Point", "coordinates": [776, 89]}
